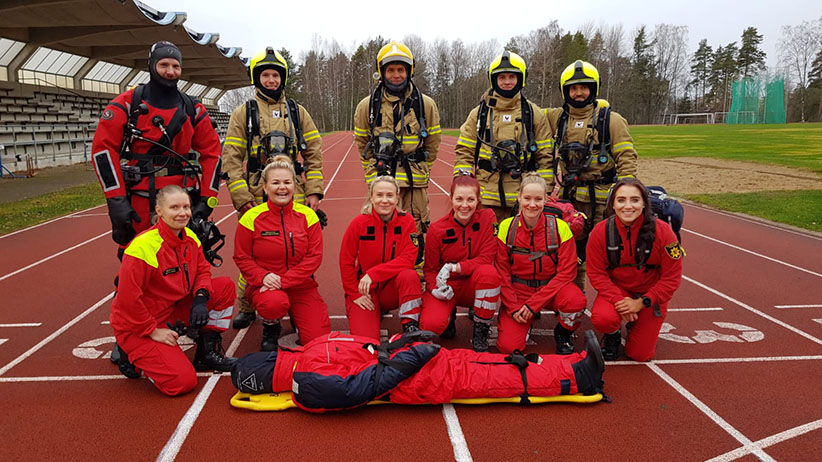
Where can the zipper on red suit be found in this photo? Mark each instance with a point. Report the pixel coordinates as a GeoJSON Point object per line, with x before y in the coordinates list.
{"type": "Point", "coordinates": [184, 266]}
{"type": "Point", "coordinates": [285, 242]}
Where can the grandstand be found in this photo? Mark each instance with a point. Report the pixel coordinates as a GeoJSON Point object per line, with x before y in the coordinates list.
{"type": "Point", "coordinates": [62, 61]}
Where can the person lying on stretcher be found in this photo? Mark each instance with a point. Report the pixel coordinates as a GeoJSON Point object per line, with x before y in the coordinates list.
{"type": "Point", "coordinates": [339, 371]}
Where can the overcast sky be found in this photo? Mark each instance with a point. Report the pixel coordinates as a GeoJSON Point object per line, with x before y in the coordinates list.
{"type": "Point", "coordinates": [254, 24]}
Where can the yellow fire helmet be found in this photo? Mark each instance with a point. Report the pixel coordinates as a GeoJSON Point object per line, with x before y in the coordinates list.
{"type": "Point", "coordinates": [580, 72]}
{"type": "Point", "coordinates": [507, 62]}
{"type": "Point", "coordinates": [268, 59]}
{"type": "Point", "coordinates": [395, 52]}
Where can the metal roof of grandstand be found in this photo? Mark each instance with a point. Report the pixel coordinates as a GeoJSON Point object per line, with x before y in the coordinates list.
{"type": "Point", "coordinates": [115, 33]}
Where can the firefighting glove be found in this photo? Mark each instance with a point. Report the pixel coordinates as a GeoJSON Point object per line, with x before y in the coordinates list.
{"type": "Point", "coordinates": [323, 218]}
{"type": "Point", "coordinates": [199, 311]}
{"type": "Point", "coordinates": [443, 293]}
{"type": "Point", "coordinates": [121, 214]}
{"type": "Point", "coordinates": [201, 209]}
{"type": "Point", "coordinates": [443, 275]}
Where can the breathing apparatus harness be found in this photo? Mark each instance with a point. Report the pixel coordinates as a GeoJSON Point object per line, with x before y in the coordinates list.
{"type": "Point", "coordinates": [552, 243]}
{"type": "Point", "coordinates": [161, 156]}
{"type": "Point", "coordinates": [508, 156]}
{"type": "Point", "coordinates": [274, 142]}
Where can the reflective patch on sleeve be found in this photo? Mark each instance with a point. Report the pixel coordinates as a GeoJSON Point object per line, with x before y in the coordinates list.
{"type": "Point", "coordinates": [674, 250]}
{"type": "Point", "coordinates": [215, 179]}
{"type": "Point", "coordinates": [105, 170]}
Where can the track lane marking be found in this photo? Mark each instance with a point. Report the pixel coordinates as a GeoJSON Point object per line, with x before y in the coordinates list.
{"type": "Point", "coordinates": [680, 310]}
{"type": "Point", "coordinates": [736, 434]}
{"type": "Point", "coordinates": [82, 378]}
{"type": "Point", "coordinates": [770, 441]}
{"type": "Point", "coordinates": [461, 452]}
{"type": "Point", "coordinates": [50, 221]}
{"type": "Point", "coordinates": [23, 324]}
{"type": "Point", "coordinates": [785, 307]}
{"type": "Point", "coordinates": [43, 260]}
{"type": "Point", "coordinates": [56, 333]}
{"type": "Point", "coordinates": [754, 310]}
{"type": "Point", "coordinates": [338, 168]}
{"type": "Point", "coordinates": [756, 222]}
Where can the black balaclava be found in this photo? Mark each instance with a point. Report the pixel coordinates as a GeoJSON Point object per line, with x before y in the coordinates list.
{"type": "Point", "coordinates": [273, 94]}
{"type": "Point", "coordinates": [162, 91]}
{"type": "Point", "coordinates": [507, 93]}
{"type": "Point", "coordinates": [566, 94]}
{"type": "Point", "coordinates": [397, 90]}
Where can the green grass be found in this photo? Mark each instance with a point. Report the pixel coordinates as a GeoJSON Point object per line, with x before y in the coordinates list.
{"type": "Point", "coordinates": [451, 133]}
{"type": "Point", "coordinates": [28, 212]}
{"type": "Point", "coordinates": [790, 145]}
{"type": "Point", "coordinates": [797, 208]}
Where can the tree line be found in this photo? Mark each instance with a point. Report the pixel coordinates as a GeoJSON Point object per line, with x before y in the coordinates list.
{"type": "Point", "coordinates": [646, 73]}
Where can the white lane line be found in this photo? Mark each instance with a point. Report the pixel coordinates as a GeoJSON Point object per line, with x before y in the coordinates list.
{"type": "Point", "coordinates": [172, 447]}
{"type": "Point", "coordinates": [83, 378]}
{"type": "Point", "coordinates": [3, 340]}
{"type": "Point", "coordinates": [784, 307]}
{"type": "Point", "coordinates": [754, 253]}
{"type": "Point", "coordinates": [53, 256]}
{"type": "Point", "coordinates": [769, 441]}
{"type": "Point", "coordinates": [756, 222]}
{"type": "Point", "coordinates": [48, 222]}
{"type": "Point", "coordinates": [23, 324]}
{"type": "Point", "coordinates": [441, 188]}
{"type": "Point", "coordinates": [762, 359]}
{"type": "Point", "coordinates": [338, 168]}
{"type": "Point", "coordinates": [56, 333]}
{"type": "Point", "coordinates": [461, 452]}
{"type": "Point", "coordinates": [746, 443]}
{"type": "Point", "coordinates": [712, 308]}
{"type": "Point", "coordinates": [754, 310]}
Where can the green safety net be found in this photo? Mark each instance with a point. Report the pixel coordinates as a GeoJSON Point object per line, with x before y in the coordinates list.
{"type": "Point", "coordinates": [756, 101]}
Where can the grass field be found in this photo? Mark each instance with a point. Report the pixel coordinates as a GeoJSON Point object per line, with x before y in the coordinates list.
{"type": "Point", "coordinates": [28, 212]}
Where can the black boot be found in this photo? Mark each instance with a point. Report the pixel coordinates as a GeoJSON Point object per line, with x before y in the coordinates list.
{"type": "Point", "coordinates": [451, 330]}
{"type": "Point", "coordinates": [588, 372]}
{"type": "Point", "coordinates": [125, 366]}
{"type": "Point", "coordinates": [610, 346]}
{"type": "Point", "coordinates": [209, 354]}
{"type": "Point", "coordinates": [115, 354]}
{"type": "Point", "coordinates": [562, 337]}
{"type": "Point", "coordinates": [271, 335]}
{"type": "Point", "coordinates": [410, 326]}
{"type": "Point", "coordinates": [479, 341]}
{"type": "Point", "coordinates": [244, 319]}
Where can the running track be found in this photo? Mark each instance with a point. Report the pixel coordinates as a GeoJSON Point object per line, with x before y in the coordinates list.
{"type": "Point", "coordinates": [736, 377]}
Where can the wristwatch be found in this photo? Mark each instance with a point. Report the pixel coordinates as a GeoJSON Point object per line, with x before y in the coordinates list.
{"type": "Point", "coordinates": [646, 301]}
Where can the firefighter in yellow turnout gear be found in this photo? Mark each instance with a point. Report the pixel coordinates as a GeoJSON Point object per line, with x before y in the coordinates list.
{"type": "Point", "coordinates": [265, 126]}
{"type": "Point", "coordinates": [504, 137]}
{"type": "Point", "coordinates": [397, 131]}
{"type": "Point", "coordinates": [593, 148]}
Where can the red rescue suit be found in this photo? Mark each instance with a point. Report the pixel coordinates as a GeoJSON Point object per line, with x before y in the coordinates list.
{"type": "Point", "coordinates": [200, 137]}
{"type": "Point", "coordinates": [657, 281]}
{"type": "Point", "coordinates": [386, 252]}
{"type": "Point", "coordinates": [288, 242]}
{"type": "Point", "coordinates": [474, 247]}
{"type": "Point", "coordinates": [530, 274]}
{"type": "Point", "coordinates": [159, 276]}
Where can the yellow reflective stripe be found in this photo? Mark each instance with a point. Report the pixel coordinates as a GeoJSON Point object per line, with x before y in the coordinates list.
{"type": "Point", "coordinates": [488, 194]}
{"type": "Point", "coordinates": [234, 138]}
{"type": "Point", "coordinates": [258, 198]}
{"type": "Point", "coordinates": [310, 215]}
{"type": "Point", "coordinates": [145, 247]}
{"type": "Point", "coordinates": [237, 185]}
{"type": "Point", "coordinates": [360, 132]}
{"type": "Point", "coordinates": [402, 176]}
{"type": "Point", "coordinates": [234, 143]}
{"type": "Point", "coordinates": [459, 168]}
{"type": "Point", "coordinates": [619, 147]}
{"type": "Point", "coordinates": [311, 174]}
{"type": "Point", "coordinates": [582, 194]}
{"type": "Point", "coordinates": [248, 218]}
{"type": "Point", "coordinates": [192, 235]}
{"type": "Point", "coordinates": [370, 177]}
{"type": "Point", "coordinates": [485, 155]}
{"type": "Point", "coordinates": [619, 177]}
{"type": "Point", "coordinates": [467, 142]}
{"type": "Point", "coordinates": [311, 135]}
{"type": "Point", "coordinates": [545, 173]}
{"type": "Point", "coordinates": [544, 143]}
{"type": "Point", "coordinates": [564, 231]}
{"type": "Point", "coordinates": [504, 226]}
{"type": "Point", "coordinates": [434, 130]}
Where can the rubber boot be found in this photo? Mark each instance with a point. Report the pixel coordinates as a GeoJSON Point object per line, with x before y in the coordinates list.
{"type": "Point", "coordinates": [451, 330]}
{"type": "Point", "coordinates": [209, 354]}
{"type": "Point", "coordinates": [115, 354]}
{"type": "Point", "coordinates": [271, 335]}
{"type": "Point", "coordinates": [588, 372]}
{"type": "Point", "coordinates": [245, 312]}
{"type": "Point", "coordinates": [125, 366]}
{"type": "Point", "coordinates": [562, 337]}
{"type": "Point", "coordinates": [610, 346]}
{"type": "Point", "coordinates": [479, 341]}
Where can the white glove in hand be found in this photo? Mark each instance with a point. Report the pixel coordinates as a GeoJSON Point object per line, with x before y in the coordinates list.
{"type": "Point", "coordinates": [443, 275]}
{"type": "Point", "coordinates": [443, 292]}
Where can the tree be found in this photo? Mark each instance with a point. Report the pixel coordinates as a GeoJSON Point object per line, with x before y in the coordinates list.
{"type": "Point", "coordinates": [671, 51]}
{"type": "Point", "coordinates": [701, 64]}
{"type": "Point", "coordinates": [724, 70]}
{"type": "Point", "coordinates": [751, 58]}
{"type": "Point", "coordinates": [797, 48]}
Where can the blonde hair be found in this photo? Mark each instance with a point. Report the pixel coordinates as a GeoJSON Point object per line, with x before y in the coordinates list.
{"type": "Point", "coordinates": [279, 161]}
{"type": "Point", "coordinates": [367, 207]}
{"type": "Point", "coordinates": [533, 178]}
{"type": "Point", "coordinates": [168, 191]}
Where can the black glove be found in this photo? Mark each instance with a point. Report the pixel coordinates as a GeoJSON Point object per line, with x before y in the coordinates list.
{"type": "Point", "coordinates": [121, 214]}
{"type": "Point", "coordinates": [323, 218]}
{"type": "Point", "coordinates": [201, 209]}
{"type": "Point", "coordinates": [199, 311]}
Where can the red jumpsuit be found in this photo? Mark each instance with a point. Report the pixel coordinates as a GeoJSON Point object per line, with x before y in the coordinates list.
{"type": "Point", "coordinates": [474, 247]}
{"type": "Point", "coordinates": [386, 253]}
{"type": "Point", "coordinates": [200, 137]}
{"type": "Point", "coordinates": [534, 279]}
{"type": "Point", "coordinates": [658, 282]}
{"type": "Point", "coordinates": [159, 276]}
{"type": "Point", "coordinates": [288, 242]}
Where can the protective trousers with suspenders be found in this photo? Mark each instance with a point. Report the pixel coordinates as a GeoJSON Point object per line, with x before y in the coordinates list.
{"type": "Point", "coordinates": [642, 251]}
{"type": "Point", "coordinates": [256, 160]}
{"type": "Point", "coordinates": [551, 248]}
{"type": "Point", "coordinates": [502, 159]}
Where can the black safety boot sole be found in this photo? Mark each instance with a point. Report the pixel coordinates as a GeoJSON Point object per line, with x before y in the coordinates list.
{"type": "Point", "coordinates": [244, 319]}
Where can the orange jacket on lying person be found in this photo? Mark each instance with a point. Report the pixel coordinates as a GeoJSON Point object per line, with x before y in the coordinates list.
{"type": "Point", "coordinates": [278, 247]}
{"type": "Point", "coordinates": [377, 263]}
{"type": "Point", "coordinates": [340, 371]}
{"type": "Point", "coordinates": [459, 265]}
{"type": "Point", "coordinates": [636, 282]}
{"type": "Point", "coordinates": [164, 278]}
{"type": "Point", "coordinates": [536, 261]}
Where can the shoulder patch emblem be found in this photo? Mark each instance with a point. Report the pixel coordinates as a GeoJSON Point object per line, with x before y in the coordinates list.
{"type": "Point", "coordinates": [108, 114]}
{"type": "Point", "coordinates": [506, 117]}
{"type": "Point", "coordinates": [496, 229]}
{"type": "Point", "coordinates": [675, 250]}
{"type": "Point", "coordinates": [415, 240]}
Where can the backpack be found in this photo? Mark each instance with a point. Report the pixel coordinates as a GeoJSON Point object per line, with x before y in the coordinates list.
{"type": "Point", "coordinates": [667, 209]}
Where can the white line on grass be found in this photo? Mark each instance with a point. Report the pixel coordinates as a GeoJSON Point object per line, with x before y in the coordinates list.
{"type": "Point", "coordinates": [48, 222]}
{"type": "Point", "coordinates": [461, 452]}
{"type": "Point", "coordinates": [56, 333]}
{"type": "Point", "coordinates": [172, 447]}
{"type": "Point", "coordinates": [746, 443]}
{"type": "Point", "coordinates": [754, 310]}
{"type": "Point", "coordinates": [23, 324]}
{"type": "Point", "coordinates": [53, 256]}
{"type": "Point", "coordinates": [754, 253]}
{"type": "Point", "coordinates": [784, 307]}
{"type": "Point", "coordinates": [769, 441]}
